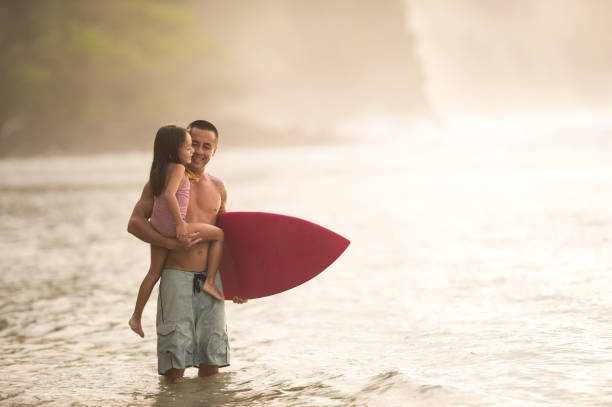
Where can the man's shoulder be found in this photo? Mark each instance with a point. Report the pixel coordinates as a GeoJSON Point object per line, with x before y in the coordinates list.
{"type": "Point", "coordinates": [217, 181]}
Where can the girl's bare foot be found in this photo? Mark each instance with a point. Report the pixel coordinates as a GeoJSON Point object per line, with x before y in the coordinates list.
{"type": "Point", "coordinates": [134, 323]}
{"type": "Point", "coordinates": [211, 289]}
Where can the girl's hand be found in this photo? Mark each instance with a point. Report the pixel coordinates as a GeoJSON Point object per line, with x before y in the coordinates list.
{"type": "Point", "coordinates": [181, 232]}
{"type": "Point", "coordinates": [191, 239]}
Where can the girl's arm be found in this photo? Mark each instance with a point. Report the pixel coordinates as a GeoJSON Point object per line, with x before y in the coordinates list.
{"type": "Point", "coordinates": [174, 179]}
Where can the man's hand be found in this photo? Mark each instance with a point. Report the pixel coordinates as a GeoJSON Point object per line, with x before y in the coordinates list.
{"type": "Point", "coordinates": [238, 300]}
{"type": "Point", "coordinates": [190, 240]}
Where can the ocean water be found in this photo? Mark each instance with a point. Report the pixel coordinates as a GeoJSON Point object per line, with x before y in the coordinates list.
{"type": "Point", "coordinates": [473, 279]}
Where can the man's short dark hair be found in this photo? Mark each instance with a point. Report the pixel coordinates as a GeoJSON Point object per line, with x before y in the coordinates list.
{"type": "Point", "coordinates": [204, 125]}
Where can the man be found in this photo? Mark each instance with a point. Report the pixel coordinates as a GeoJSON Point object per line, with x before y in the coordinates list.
{"type": "Point", "coordinates": [191, 328]}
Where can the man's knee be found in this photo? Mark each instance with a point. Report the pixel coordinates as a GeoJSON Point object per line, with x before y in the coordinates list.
{"type": "Point", "coordinates": [207, 370]}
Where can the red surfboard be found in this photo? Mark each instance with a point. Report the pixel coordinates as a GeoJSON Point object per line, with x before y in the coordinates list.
{"type": "Point", "coordinates": [267, 253]}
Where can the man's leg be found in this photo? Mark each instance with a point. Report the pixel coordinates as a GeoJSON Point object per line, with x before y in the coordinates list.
{"type": "Point", "coordinates": [175, 341]}
{"type": "Point", "coordinates": [212, 342]}
{"type": "Point", "coordinates": [207, 370]}
{"type": "Point", "coordinates": [174, 373]}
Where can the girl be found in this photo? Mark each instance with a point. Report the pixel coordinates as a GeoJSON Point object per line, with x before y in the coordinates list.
{"type": "Point", "coordinates": [170, 185]}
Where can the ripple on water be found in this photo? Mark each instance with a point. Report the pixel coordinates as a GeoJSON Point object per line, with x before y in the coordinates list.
{"type": "Point", "coordinates": [395, 388]}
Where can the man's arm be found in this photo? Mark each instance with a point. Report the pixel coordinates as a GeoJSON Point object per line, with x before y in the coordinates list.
{"type": "Point", "coordinates": [223, 192]}
{"type": "Point", "coordinates": [223, 208]}
{"type": "Point", "coordinates": [140, 226]}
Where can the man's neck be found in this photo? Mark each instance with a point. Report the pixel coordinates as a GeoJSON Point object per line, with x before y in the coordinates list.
{"type": "Point", "coordinates": [196, 174]}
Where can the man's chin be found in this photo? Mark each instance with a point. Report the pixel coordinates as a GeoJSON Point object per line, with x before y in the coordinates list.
{"type": "Point", "coordinates": [195, 167]}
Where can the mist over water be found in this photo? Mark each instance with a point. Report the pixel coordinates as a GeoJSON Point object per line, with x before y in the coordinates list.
{"type": "Point", "coordinates": [512, 67]}
{"type": "Point", "coordinates": [289, 73]}
{"type": "Point", "coordinates": [465, 73]}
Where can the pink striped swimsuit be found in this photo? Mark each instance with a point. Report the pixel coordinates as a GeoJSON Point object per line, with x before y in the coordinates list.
{"type": "Point", "coordinates": [161, 218]}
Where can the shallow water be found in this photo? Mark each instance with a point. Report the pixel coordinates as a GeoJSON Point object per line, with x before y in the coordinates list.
{"type": "Point", "coordinates": [473, 279]}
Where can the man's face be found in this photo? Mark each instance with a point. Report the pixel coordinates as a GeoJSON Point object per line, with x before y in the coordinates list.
{"type": "Point", "coordinates": [204, 146]}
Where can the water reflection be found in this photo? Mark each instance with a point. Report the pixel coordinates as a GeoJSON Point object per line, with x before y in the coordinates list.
{"type": "Point", "coordinates": [196, 391]}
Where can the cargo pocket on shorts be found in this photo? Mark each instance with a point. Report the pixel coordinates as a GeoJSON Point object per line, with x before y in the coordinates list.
{"type": "Point", "coordinates": [217, 349]}
{"type": "Point", "coordinates": [165, 329]}
{"type": "Point", "coordinates": [168, 348]}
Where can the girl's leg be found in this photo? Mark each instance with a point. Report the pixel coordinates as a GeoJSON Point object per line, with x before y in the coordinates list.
{"type": "Point", "coordinates": [158, 258]}
{"type": "Point", "coordinates": [215, 252]}
{"type": "Point", "coordinates": [214, 236]}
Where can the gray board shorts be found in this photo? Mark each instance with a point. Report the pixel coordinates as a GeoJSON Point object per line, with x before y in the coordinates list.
{"type": "Point", "coordinates": [191, 327]}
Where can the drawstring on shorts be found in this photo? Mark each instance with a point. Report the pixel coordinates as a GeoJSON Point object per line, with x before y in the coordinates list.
{"type": "Point", "coordinates": [198, 281]}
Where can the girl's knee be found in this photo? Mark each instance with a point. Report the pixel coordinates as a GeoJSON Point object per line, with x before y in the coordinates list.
{"type": "Point", "coordinates": [217, 234]}
{"type": "Point", "coordinates": [210, 233]}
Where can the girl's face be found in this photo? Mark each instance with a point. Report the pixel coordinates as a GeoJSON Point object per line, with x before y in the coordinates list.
{"type": "Point", "coordinates": [185, 150]}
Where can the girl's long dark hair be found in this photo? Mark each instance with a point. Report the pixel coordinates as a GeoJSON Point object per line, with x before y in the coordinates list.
{"type": "Point", "coordinates": [168, 140]}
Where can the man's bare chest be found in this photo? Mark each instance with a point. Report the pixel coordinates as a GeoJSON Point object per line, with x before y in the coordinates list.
{"type": "Point", "coordinates": [204, 202]}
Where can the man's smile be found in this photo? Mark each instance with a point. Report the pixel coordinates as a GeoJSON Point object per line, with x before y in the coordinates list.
{"type": "Point", "coordinates": [197, 158]}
